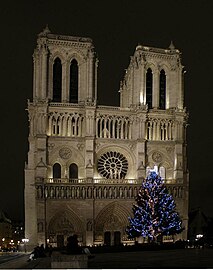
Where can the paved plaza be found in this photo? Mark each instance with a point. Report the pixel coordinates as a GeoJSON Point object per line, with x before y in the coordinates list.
{"type": "Point", "coordinates": [179, 258]}
{"type": "Point", "coordinates": [168, 259]}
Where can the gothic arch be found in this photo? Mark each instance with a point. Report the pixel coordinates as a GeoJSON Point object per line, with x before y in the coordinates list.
{"type": "Point", "coordinates": [164, 67]}
{"type": "Point", "coordinates": [65, 222]}
{"type": "Point", "coordinates": [74, 156]}
{"type": "Point", "coordinates": [152, 66]}
{"type": "Point", "coordinates": [73, 160]}
{"type": "Point", "coordinates": [57, 55]}
{"type": "Point", "coordinates": [168, 168]}
{"type": "Point", "coordinates": [76, 55]}
{"type": "Point", "coordinates": [66, 58]}
{"type": "Point", "coordinates": [165, 164]}
{"type": "Point", "coordinates": [112, 217]}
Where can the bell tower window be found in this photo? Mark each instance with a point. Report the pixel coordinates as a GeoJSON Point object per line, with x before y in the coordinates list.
{"type": "Point", "coordinates": [149, 83]}
{"type": "Point", "coordinates": [73, 82]}
{"type": "Point", "coordinates": [73, 171]}
{"type": "Point", "coordinates": [57, 80]}
{"type": "Point", "coordinates": [56, 170]}
{"type": "Point", "coordinates": [162, 91]}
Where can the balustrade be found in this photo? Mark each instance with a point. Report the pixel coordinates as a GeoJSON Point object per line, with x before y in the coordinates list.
{"type": "Point", "coordinates": [91, 181]}
{"type": "Point", "coordinates": [67, 180]}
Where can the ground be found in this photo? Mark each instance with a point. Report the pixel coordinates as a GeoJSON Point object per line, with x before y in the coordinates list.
{"type": "Point", "coordinates": [179, 258]}
{"type": "Point", "coordinates": [167, 259]}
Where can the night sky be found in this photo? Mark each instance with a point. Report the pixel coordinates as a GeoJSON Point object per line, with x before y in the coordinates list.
{"type": "Point", "coordinates": [116, 28]}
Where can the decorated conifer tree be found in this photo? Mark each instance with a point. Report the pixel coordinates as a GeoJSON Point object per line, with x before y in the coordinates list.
{"type": "Point", "coordinates": [154, 214]}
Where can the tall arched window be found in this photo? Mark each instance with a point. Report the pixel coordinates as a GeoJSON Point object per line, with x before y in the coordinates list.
{"type": "Point", "coordinates": [162, 172]}
{"type": "Point", "coordinates": [73, 82]}
{"type": "Point", "coordinates": [73, 171]}
{"type": "Point", "coordinates": [57, 80]}
{"type": "Point", "coordinates": [162, 91]}
{"type": "Point", "coordinates": [56, 170]}
{"type": "Point", "coordinates": [149, 88]}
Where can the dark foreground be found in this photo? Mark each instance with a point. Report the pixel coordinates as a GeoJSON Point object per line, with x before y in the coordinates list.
{"type": "Point", "coordinates": [179, 258]}
{"type": "Point", "coordinates": [157, 259]}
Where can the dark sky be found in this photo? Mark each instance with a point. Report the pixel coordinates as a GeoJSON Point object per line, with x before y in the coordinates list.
{"type": "Point", "coordinates": [116, 28]}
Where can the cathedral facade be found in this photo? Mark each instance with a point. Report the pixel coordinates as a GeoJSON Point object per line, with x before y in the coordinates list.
{"type": "Point", "coordinates": [86, 162]}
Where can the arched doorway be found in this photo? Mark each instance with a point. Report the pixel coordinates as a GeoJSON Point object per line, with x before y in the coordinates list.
{"type": "Point", "coordinates": [112, 238]}
{"type": "Point", "coordinates": [60, 240]}
{"type": "Point", "coordinates": [111, 223]}
{"type": "Point", "coordinates": [61, 226]}
{"type": "Point", "coordinates": [112, 228]}
{"type": "Point", "coordinates": [117, 238]}
{"type": "Point", "coordinates": [107, 238]}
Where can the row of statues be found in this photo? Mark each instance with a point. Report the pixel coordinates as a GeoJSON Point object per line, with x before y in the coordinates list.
{"type": "Point", "coordinates": [101, 192]}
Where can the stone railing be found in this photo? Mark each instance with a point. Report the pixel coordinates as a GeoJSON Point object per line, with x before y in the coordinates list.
{"type": "Point", "coordinates": [66, 104]}
{"type": "Point", "coordinates": [92, 181]}
{"type": "Point", "coordinates": [69, 181]}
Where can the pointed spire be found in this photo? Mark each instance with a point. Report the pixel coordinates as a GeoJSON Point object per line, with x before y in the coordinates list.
{"type": "Point", "coordinates": [45, 31]}
{"type": "Point", "coordinates": [171, 46]}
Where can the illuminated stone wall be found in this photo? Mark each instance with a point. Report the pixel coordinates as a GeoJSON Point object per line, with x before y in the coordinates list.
{"type": "Point", "coordinates": [102, 153]}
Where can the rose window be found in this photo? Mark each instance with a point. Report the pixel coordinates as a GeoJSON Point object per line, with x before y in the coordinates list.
{"type": "Point", "coordinates": [113, 165]}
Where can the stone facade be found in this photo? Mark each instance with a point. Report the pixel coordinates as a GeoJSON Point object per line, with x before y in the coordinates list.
{"type": "Point", "coordinates": [86, 161]}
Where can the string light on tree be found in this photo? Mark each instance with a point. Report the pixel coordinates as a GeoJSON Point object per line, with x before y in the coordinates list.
{"type": "Point", "coordinates": [154, 213]}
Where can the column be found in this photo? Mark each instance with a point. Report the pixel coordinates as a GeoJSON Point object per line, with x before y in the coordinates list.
{"type": "Point", "coordinates": [36, 75]}
{"type": "Point", "coordinates": [155, 93]}
{"type": "Point", "coordinates": [91, 75]}
{"type": "Point", "coordinates": [65, 82]}
{"type": "Point", "coordinates": [105, 119]}
{"type": "Point", "coordinates": [113, 128]}
{"type": "Point", "coordinates": [97, 121]}
{"type": "Point", "coordinates": [109, 127]}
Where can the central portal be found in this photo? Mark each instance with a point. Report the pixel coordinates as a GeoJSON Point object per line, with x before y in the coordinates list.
{"type": "Point", "coordinates": [112, 238]}
{"type": "Point", "coordinates": [60, 241]}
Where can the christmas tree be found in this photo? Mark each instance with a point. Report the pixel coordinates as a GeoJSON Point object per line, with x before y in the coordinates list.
{"type": "Point", "coordinates": [154, 214]}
